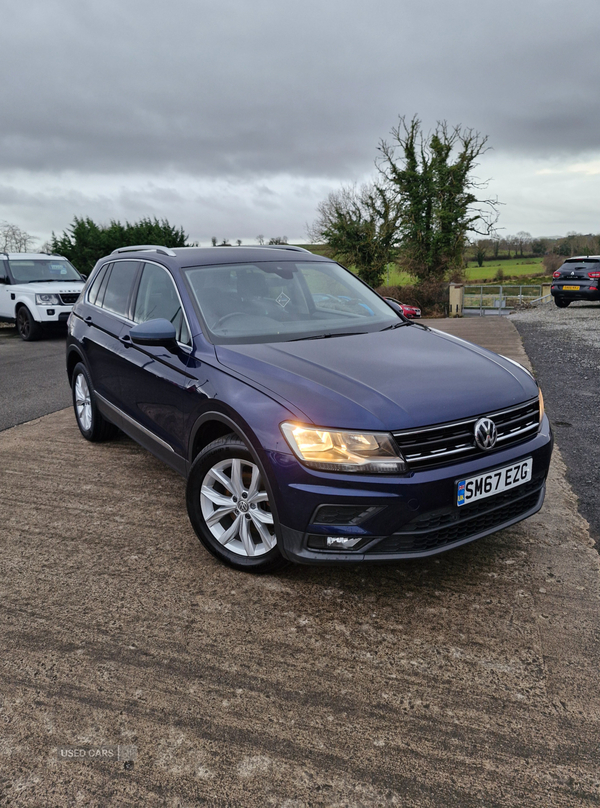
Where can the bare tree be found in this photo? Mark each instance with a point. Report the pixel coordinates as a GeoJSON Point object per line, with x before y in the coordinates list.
{"type": "Point", "coordinates": [13, 239]}
{"type": "Point", "coordinates": [261, 239]}
{"type": "Point", "coordinates": [523, 239]}
{"type": "Point", "coordinates": [239, 242]}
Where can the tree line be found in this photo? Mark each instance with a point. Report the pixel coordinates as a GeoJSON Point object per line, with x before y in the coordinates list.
{"type": "Point", "coordinates": [85, 241]}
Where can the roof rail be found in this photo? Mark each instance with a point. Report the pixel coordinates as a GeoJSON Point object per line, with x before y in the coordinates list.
{"type": "Point", "coordinates": [145, 248]}
{"type": "Point", "coordinates": [291, 247]}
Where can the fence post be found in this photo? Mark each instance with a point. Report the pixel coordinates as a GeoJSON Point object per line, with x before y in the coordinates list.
{"type": "Point", "coordinates": [456, 297]}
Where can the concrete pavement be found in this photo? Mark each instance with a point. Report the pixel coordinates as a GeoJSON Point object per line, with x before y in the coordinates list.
{"type": "Point", "coordinates": [466, 680]}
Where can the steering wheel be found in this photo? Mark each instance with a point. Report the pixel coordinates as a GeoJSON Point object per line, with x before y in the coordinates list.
{"type": "Point", "coordinates": [226, 317]}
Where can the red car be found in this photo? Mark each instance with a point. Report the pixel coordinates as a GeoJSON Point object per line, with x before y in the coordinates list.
{"type": "Point", "coordinates": [412, 312]}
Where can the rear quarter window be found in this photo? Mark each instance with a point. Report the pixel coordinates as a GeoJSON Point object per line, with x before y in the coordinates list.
{"type": "Point", "coordinates": [96, 284]}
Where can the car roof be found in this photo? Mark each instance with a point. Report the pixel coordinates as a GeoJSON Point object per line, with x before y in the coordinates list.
{"type": "Point", "coordinates": [15, 256]}
{"type": "Point", "coordinates": [209, 256]}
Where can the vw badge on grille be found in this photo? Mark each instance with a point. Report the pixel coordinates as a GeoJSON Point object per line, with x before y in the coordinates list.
{"type": "Point", "coordinates": [485, 434]}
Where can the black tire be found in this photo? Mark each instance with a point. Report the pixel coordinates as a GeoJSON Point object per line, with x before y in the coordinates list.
{"type": "Point", "coordinates": [561, 302]}
{"type": "Point", "coordinates": [29, 330]}
{"type": "Point", "coordinates": [92, 424]}
{"type": "Point", "coordinates": [245, 502]}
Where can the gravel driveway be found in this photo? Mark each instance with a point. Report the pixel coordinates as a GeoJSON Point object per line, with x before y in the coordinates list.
{"type": "Point", "coordinates": [564, 348]}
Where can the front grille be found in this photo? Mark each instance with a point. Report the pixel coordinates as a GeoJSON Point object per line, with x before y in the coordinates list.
{"type": "Point", "coordinates": [459, 529]}
{"type": "Point", "coordinates": [69, 299]}
{"type": "Point", "coordinates": [448, 443]}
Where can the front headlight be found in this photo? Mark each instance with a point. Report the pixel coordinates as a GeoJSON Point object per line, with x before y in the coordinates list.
{"type": "Point", "coordinates": [326, 450]}
{"type": "Point", "coordinates": [47, 300]}
{"type": "Point", "coordinates": [541, 400]}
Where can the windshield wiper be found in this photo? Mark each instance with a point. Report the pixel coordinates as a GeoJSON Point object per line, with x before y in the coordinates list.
{"type": "Point", "coordinates": [327, 336]}
{"type": "Point", "coordinates": [396, 325]}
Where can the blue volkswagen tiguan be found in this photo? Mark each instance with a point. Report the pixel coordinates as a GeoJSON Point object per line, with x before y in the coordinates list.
{"type": "Point", "coordinates": [313, 422]}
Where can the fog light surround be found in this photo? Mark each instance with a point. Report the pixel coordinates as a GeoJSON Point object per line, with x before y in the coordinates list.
{"type": "Point", "coordinates": [335, 542]}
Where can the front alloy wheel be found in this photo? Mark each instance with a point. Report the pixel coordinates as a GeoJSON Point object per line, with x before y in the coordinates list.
{"type": "Point", "coordinates": [230, 509]}
{"type": "Point", "coordinates": [27, 327]}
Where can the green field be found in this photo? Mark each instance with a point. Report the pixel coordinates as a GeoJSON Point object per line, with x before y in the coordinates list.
{"type": "Point", "coordinates": [512, 267]}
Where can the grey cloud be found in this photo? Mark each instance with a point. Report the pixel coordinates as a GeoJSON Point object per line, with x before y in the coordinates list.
{"type": "Point", "coordinates": [235, 211]}
{"type": "Point", "coordinates": [245, 90]}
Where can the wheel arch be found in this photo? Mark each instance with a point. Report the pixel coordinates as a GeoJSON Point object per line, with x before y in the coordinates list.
{"type": "Point", "coordinates": [216, 424]}
{"type": "Point", "coordinates": [21, 302]}
{"type": "Point", "coordinates": [19, 305]}
{"type": "Point", "coordinates": [74, 357]}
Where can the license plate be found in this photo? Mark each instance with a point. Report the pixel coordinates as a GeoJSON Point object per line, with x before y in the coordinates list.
{"type": "Point", "coordinates": [571, 288]}
{"type": "Point", "coordinates": [493, 482]}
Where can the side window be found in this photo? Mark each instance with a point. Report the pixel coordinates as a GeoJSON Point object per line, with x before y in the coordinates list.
{"type": "Point", "coordinates": [157, 297]}
{"type": "Point", "coordinates": [95, 287]}
{"type": "Point", "coordinates": [118, 287]}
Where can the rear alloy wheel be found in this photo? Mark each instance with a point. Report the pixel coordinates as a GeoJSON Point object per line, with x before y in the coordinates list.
{"type": "Point", "coordinates": [230, 507]}
{"type": "Point", "coordinates": [561, 302]}
{"type": "Point", "coordinates": [27, 327]}
{"type": "Point", "coordinates": [92, 424]}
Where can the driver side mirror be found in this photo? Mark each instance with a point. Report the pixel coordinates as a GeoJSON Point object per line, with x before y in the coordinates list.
{"type": "Point", "coordinates": [157, 333]}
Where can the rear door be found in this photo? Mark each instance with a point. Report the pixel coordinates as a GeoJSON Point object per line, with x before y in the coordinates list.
{"type": "Point", "coordinates": [107, 316]}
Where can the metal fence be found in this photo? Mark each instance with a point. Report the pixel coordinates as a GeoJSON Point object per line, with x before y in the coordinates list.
{"type": "Point", "coordinates": [500, 299]}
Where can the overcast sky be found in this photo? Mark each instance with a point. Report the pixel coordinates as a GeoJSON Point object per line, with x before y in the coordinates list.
{"type": "Point", "coordinates": [233, 118]}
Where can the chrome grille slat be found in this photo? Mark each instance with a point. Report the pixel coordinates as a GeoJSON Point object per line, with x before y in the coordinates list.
{"type": "Point", "coordinates": [439, 444]}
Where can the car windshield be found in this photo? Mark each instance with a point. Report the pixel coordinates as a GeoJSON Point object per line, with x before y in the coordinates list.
{"type": "Point", "coordinates": [32, 270]}
{"type": "Point", "coordinates": [285, 300]}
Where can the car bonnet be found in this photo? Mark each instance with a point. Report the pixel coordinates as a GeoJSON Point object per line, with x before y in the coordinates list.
{"type": "Point", "coordinates": [400, 379]}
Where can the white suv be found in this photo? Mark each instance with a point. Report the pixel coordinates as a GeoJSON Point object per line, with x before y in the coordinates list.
{"type": "Point", "coordinates": [37, 289]}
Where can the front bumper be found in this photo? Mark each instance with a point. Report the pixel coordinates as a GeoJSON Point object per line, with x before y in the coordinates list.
{"type": "Point", "coordinates": [52, 314]}
{"type": "Point", "coordinates": [408, 516]}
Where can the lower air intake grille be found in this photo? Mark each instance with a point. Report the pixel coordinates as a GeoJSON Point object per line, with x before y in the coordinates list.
{"type": "Point", "coordinates": [461, 529]}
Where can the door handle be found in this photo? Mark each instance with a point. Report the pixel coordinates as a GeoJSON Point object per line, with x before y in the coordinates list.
{"type": "Point", "coordinates": [88, 320]}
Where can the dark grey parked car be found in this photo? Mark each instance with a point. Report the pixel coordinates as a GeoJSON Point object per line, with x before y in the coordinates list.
{"type": "Point", "coordinates": [577, 279]}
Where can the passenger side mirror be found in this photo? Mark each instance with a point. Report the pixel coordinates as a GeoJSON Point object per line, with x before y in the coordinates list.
{"type": "Point", "coordinates": [159, 332]}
